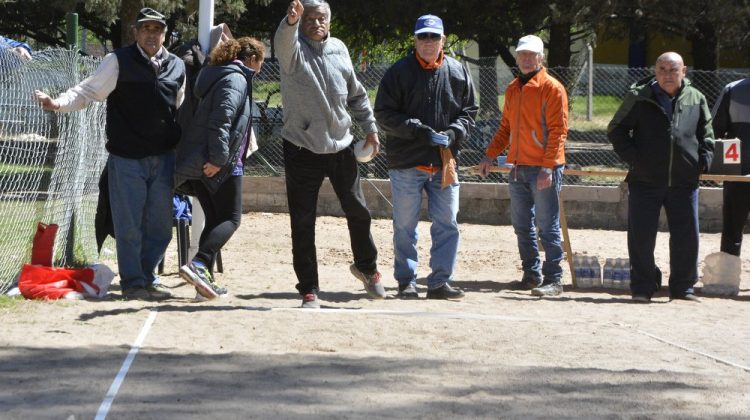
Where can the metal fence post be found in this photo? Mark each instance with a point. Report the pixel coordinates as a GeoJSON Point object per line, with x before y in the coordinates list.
{"type": "Point", "coordinates": [72, 26]}
{"type": "Point", "coordinates": [590, 93]}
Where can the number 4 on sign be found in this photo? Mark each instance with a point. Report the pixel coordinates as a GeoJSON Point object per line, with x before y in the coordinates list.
{"type": "Point", "coordinates": [732, 151]}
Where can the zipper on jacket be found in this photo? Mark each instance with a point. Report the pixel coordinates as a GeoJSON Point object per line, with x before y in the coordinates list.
{"type": "Point", "coordinates": [672, 126]}
{"type": "Point", "coordinates": [518, 127]}
{"type": "Point", "coordinates": [673, 130]}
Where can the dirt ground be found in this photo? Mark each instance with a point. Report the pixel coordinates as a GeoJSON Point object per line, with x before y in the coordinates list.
{"type": "Point", "coordinates": [498, 353]}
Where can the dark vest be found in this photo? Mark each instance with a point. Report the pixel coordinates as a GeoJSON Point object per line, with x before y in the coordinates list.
{"type": "Point", "coordinates": [141, 110]}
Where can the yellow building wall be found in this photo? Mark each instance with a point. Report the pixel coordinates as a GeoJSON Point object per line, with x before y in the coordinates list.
{"type": "Point", "coordinates": [611, 50]}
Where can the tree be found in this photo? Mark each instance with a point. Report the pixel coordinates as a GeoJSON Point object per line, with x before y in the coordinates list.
{"type": "Point", "coordinates": [708, 25]}
{"type": "Point", "coordinates": [570, 21]}
{"type": "Point", "coordinates": [495, 25]}
{"type": "Point", "coordinates": [102, 17]}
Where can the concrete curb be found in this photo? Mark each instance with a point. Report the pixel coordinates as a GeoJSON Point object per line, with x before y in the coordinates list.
{"type": "Point", "coordinates": [484, 203]}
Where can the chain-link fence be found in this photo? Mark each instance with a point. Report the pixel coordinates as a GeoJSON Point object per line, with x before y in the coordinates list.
{"type": "Point", "coordinates": [49, 164]}
{"type": "Point", "coordinates": [592, 106]}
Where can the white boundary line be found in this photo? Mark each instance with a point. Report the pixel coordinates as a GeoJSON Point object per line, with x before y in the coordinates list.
{"type": "Point", "coordinates": [710, 356]}
{"type": "Point", "coordinates": [474, 316]}
{"type": "Point", "coordinates": [112, 392]}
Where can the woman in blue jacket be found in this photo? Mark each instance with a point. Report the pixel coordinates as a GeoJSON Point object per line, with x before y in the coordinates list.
{"type": "Point", "coordinates": [211, 152]}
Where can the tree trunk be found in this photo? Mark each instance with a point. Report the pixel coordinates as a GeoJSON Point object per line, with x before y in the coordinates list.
{"type": "Point", "coordinates": [704, 46]}
{"type": "Point", "coordinates": [559, 45]}
{"type": "Point", "coordinates": [488, 89]}
{"type": "Point", "coordinates": [128, 12]}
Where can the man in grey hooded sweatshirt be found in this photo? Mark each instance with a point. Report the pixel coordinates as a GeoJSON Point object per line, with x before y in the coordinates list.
{"type": "Point", "coordinates": [318, 84]}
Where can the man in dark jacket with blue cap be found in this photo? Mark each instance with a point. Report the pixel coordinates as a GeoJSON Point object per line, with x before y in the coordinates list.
{"type": "Point", "coordinates": [425, 106]}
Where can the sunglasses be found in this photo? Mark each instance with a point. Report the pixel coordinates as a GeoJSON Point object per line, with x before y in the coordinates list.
{"type": "Point", "coordinates": [428, 35]}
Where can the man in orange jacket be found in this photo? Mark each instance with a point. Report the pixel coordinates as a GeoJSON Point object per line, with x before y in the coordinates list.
{"type": "Point", "coordinates": [535, 125]}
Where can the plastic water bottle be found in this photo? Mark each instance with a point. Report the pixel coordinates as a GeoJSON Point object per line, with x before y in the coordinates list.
{"type": "Point", "coordinates": [608, 269]}
{"type": "Point", "coordinates": [589, 272]}
{"type": "Point", "coordinates": [582, 271]}
{"type": "Point", "coordinates": [578, 269]}
{"type": "Point", "coordinates": [596, 278]}
{"type": "Point", "coordinates": [626, 274]}
{"type": "Point", "coordinates": [617, 273]}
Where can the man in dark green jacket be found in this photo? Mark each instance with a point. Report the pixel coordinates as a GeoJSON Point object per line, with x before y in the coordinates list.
{"type": "Point", "coordinates": [663, 132]}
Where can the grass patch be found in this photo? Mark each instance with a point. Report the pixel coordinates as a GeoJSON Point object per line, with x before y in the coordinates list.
{"type": "Point", "coordinates": [601, 180]}
{"type": "Point", "coordinates": [10, 302]}
{"type": "Point", "coordinates": [11, 169]}
{"type": "Point", "coordinates": [603, 105]}
{"type": "Point", "coordinates": [262, 89]}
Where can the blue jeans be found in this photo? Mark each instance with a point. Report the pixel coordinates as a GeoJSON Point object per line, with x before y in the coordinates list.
{"type": "Point", "coordinates": [681, 206]}
{"type": "Point", "coordinates": [530, 207]}
{"type": "Point", "coordinates": [140, 195]}
{"type": "Point", "coordinates": [442, 206]}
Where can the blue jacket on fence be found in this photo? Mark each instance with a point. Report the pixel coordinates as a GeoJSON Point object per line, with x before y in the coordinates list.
{"type": "Point", "coordinates": [218, 129]}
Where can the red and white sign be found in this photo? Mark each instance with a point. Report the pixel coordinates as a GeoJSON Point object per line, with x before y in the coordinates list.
{"type": "Point", "coordinates": [732, 152]}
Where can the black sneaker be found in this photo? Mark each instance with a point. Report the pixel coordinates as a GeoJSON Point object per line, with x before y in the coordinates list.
{"type": "Point", "coordinates": [199, 276]}
{"type": "Point", "coordinates": [549, 289]}
{"type": "Point", "coordinates": [445, 292]}
{"type": "Point", "coordinates": [136, 293]}
{"type": "Point", "coordinates": [408, 291]}
{"type": "Point", "coordinates": [310, 301]}
{"type": "Point", "coordinates": [158, 291]}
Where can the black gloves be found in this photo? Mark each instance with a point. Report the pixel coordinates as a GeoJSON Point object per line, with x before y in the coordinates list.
{"type": "Point", "coordinates": [451, 133]}
{"type": "Point", "coordinates": [424, 134]}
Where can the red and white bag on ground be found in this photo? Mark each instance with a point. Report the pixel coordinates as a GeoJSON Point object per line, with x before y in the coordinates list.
{"type": "Point", "coordinates": [40, 282]}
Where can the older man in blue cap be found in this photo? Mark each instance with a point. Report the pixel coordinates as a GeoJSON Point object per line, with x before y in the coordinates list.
{"type": "Point", "coordinates": [425, 106]}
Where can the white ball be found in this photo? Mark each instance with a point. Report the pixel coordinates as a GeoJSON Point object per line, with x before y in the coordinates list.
{"type": "Point", "coordinates": [363, 151]}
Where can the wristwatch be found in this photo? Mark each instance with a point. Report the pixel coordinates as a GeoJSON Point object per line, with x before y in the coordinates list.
{"type": "Point", "coordinates": [547, 170]}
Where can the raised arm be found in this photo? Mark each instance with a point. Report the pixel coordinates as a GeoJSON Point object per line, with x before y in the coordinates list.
{"type": "Point", "coordinates": [286, 39]}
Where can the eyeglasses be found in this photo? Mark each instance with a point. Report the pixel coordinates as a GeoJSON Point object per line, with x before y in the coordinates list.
{"type": "Point", "coordinates": [428, 35]}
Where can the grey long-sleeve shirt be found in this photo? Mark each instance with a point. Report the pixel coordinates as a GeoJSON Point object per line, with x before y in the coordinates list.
{"type": "Point", "coordinates": [318, 84]}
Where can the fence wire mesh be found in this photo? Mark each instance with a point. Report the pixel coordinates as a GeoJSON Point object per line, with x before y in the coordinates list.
{"type": "Point", "coordinates": [50, 163]}
{"type": "Point", "coordinates": [587, 146]}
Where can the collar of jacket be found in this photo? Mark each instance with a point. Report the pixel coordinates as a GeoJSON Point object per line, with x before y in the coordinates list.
{"type": "Point", "coordinates": [430, 66]}
{"type": "Point", "coordinates": [534, 81]}
{"type": "Point", "coordinates": [642, 88]}
{"type": "Point", "coordinates": [315, 45]}
{"type": "Point", "coordinates": [247, 71]}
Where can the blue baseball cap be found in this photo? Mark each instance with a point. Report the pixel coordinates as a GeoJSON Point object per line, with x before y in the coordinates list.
{"type": "Point", "coordinates": [429, 23]}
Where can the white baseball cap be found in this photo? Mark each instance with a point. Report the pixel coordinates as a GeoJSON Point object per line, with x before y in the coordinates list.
{"type": "Point", "coordinates": [530, 43]}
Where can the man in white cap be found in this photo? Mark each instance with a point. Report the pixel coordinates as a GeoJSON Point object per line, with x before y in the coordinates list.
{"type": "Point", "coordinates": [143, 85]}
{"type": "Point", "coordinates": [535, 125]}
{"type": "Point", "coordinates": [425, 105]}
